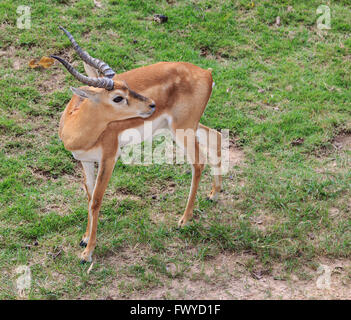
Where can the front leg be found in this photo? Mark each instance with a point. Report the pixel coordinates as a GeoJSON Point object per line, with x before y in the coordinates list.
{"type": "Point", "coordinates": [89, 182]}
{"type": "Point", "coordinates": [106, 166]}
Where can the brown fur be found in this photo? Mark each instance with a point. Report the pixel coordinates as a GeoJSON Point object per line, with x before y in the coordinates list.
{"type": "Point", "coordinates": [179, 89]}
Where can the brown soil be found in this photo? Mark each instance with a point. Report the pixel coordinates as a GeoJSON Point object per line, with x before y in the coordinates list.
{"type": "Point", "coordinates": [343, 141]}
{"type": "Point", "coordinates": [227, 277]}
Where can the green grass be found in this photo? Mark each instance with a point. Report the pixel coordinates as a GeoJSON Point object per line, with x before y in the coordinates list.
{"type": "Point", "coordinates": [274, 84]}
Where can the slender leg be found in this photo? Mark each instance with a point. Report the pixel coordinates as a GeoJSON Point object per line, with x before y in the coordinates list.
{"type": "Point", "coordinates": [195, 157]}
{"type": "Point", "coordinates": [89, 182]}
{"type": "Point", "coordinates": [104, 174]}
{"type": "Point", "coordinates": [195, 180]}
{"type": "Point", "coordinates": [213, 142]}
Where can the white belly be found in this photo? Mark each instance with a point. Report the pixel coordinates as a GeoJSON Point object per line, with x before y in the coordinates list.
{"type": "Point", "coordinates": [92, 155]}
{"type": "Point", "coordinates": [127, 137]}
{"type": "Point", "coordinates": [143, 132]}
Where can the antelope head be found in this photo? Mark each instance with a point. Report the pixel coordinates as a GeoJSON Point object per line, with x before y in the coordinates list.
{"type": "Point", "coordinates": [110, 96]}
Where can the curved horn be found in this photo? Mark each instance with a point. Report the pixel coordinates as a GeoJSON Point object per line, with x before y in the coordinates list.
{"type": "Point", "coordinates": [103, 67]}
{"type": "Point", "coordinates": [94, 82]}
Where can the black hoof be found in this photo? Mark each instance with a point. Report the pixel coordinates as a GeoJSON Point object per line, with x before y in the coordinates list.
{"type": "Point", "coordinates": [83, 244]}
{"type": "Point", "coordinates": [209, 199]}
{"type": "Point", "coordinates": [83, 261]}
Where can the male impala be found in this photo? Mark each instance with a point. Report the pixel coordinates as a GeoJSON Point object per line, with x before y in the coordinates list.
{"type": "Point", "coordinates": [172, 95]}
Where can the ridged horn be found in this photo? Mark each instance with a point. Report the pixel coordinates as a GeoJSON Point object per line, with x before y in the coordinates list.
{"type": "Point", "coordinates": [93, 82]}
{"type": "Point", "coordinates": [103, 67]}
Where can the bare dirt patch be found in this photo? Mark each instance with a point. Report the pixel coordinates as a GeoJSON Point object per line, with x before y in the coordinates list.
{"type": "Point", "coordinates": [50, 83]}
{"type": "Point", "coordinates": [336, 160]}
{"type": "Point", "coordinates": [121, 194]}
{"type": "Point", "coordinates": [236, 155]}
{"type": "Point", "coordinates": [263, 221]}
{"type": "Point", "coordinates": [343, 141]}
{"type": "Point", "coordinates": [227, 277]}
{"type": "Point", "coordinates": [13, 59]}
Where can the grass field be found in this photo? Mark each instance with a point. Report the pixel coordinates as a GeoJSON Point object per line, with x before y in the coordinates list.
{"type": "Point", "coordinates": [282, 89]}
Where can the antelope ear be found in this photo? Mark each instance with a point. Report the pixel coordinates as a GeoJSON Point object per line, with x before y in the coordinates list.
{"type": "Point", "coordinates": [86, 93]}
{"type": "Point", "coordinates": [126, 84]}
{"type": "Point", "coordinates": [90, 71]}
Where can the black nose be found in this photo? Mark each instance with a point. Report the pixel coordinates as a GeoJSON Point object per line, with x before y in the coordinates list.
{"type": "Point", "coordinates": [152, 105]}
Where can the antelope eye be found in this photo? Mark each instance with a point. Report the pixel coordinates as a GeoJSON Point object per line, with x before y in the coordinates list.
{"type": "Point", "coordinates": [118, 99]}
